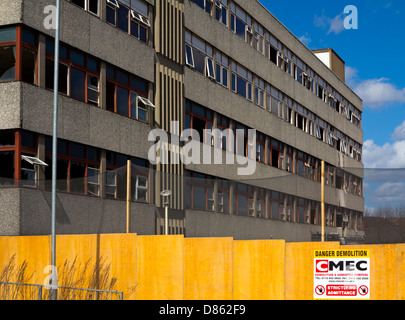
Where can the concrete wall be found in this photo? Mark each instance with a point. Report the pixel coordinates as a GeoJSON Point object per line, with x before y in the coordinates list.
{"type": "Point", "coordinates": [174, 268]}
{"type": "Point", "coordinates": [28, 212]}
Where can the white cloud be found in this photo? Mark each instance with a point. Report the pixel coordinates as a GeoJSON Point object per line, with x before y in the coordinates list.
{"type": "Point", "coordinates": [335, 25]}
{"type": "Point", "coordinates": [379, 93]}
{"type": "Point", "coordinates": [399, 133]}
{"type": "Point", "coordinates": [389, 193]}
{"type": "Point", "coordinates": [305, 39]}
{"type": "Point", "coordinates": [389, 155]}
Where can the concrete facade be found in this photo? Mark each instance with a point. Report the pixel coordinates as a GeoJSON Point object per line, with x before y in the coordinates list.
{"type": "Point", "coordinates": [160, 61]}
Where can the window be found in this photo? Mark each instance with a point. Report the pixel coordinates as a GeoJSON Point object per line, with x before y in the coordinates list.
{"type": "Point", "coordinates": [288, 108]}
{"type": "Point", "coordinates": [300, 69]}
{"type": "Point", "coordinates": [7, 157]}
{"type": "Point", "coordinates": [260, 144]}
{"type": "Point", "coordinates": [92, 6]}
{"type": "Point", "coordinates": [206, 5]}
{"type": "Point", "coordinates": [259, 92]}
{"type": "Point", "coordinates": [320, 88]}
{"type": "Point", "coordinates": [222, 65]}
{"type": "Point", "coordinates": [261, 203]}
{"type": "Point", "coordinates": [222, 140]}
{"type": "Point", "coordinates": [276, 204]}
{"type": "Point", "coordinates": [79, 73]}
{"type": "Point", "coordinates": [240, 199]}
{"type": "Point", "coordinates": [223, 196]}
{"type": "Point", "coordinates": [242, 81]}
{"type": "Point", "coordinates": [25, 54]}
{"type": "Point", "coordinates": [275, 154]}
{"type": "Point", "coordinates": [130, 16]}
{"type": "Point", "coordinates": [116, 177]}
{"type": "Point", "coordinates": [200, 119]}
{"type": "Point", "coordinates": [199, 55]}
{"type": "Point", "coordinates": [274, 101]}
{"type": "Point", "coordinates": [301, 117]}
{"type": "Point", "coordinates": [200, 191]}
{"type": "Point", "coordinates": [78, 167]}
{"type": "Point", "coordinates": [258, 37]}
{"type": "Point", "coordinates": [126, 94]}
{"type": "Point", "coordinates": [221, 11]}
{"type": "Point", "coordinates": [241, 23]}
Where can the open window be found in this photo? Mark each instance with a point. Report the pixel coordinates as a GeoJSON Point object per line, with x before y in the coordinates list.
{"type": "Point", "coordinates": [189, 56]}
{"type": "Point", "coordinates": [210, 68]}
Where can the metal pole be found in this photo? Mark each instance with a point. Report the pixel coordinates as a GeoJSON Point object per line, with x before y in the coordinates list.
{"type": "Point", "coordinates": [323, 200]}
{"type": "Point", "coordinates": [54, 146]}
{"type": "Point", "coordinates": [128, 191]}
{"type": "Point", "coordinates": [166, 219]}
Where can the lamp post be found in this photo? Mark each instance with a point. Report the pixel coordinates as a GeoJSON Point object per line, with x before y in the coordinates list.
{"type": "Point", "coordinates": [54, 151]}
{"type": "Point", "coordinates": [166, 194]}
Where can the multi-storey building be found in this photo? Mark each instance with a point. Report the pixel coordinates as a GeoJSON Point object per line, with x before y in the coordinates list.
{"type": "Point", "coordinates": [130, 66]}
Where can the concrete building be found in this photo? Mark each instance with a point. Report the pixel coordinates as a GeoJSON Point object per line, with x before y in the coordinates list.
{"type": "Point", "coordinates": [130, 66]}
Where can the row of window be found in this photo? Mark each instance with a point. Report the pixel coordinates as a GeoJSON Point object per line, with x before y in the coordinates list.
{"type": "Point", "coordinates": [79, 73]}
{"type": "Point", "coordinates": [78, 167]}
{"type": "Point", "coordinates": [245, 200]}
{"type": "Point", "coordinates": [130, 16]}
{"type": "Point", "coordinates": [205, 59]}
{"type": "Point", "coordinates": [268, 150]}
{"type": "Point", "coordinates": [242, 24]}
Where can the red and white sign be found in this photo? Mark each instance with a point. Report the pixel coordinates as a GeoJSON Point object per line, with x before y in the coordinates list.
{"type": "Point", "coordinates": [342, 274]}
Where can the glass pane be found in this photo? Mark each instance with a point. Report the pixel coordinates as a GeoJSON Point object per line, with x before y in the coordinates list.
{"type": "Point", "coordinates": [139, 84]}
{"type": "Point", "coordinates": [134, 104]}
{"type": "Point", "coordinates": [6, 168]}
{"type": "Point", "coordinates": [62, 174]}
{"type": "Point", "coordinates": [122, 77]}
{"type": "Point", "coordinates": [110, 89]}
{"type": "Point", "coordinates": [134, 29]}
{"type": "Point", "coordinates": [199, 198]}
{"type": "Point", "coordinates": [142, 114]}
{"type": "Point", "coordinates": [110, 15]}
{"type": "Point", "coordinates": [122, 18]}
{"type": "Point", "coordinates": [199, 61]}
{"type": "Point", "coordinates": [143, 34]}
{"type": "Point", "coordinates": [242, 205]}
{"type": "Point", "coordinates": [92, 154]}
{"type": "Point", "coordinates": [77, 58]}
{"type": "Point", "coordinates": [241, 87]}
{"type": "Point", "coordinates": [77, 173]}
{"type": "Point", "coordinates": [93, 6]}
{"type": "Point", "coordinates": [29, 59]}
{"type": "Point", "coordinates": [79, 3]}
{"type": "Point", "coordinates": [92, 175]}
{"type": "Point", "coordinates": [7, 34]}
{"type": "Point", "coordinates": [28, 140]}
{"type": "Point", "coordinates": [92, 64]}
{"type": "Point", "coordinates": [122, 101]}
{"type": "Point", "coordinates": [77, 84]}
{"type": "Point", "coordinates": [29, 37]}
{"type": "Point", "coordinates": [7, 65]}
{"type": "Point", "coordinates": [77, 151]}
{"type": "Point", "coordinates": [7, 138]}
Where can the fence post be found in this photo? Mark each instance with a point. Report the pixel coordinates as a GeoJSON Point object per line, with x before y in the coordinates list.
{"type": "Point", "coordinates": [40, 293]}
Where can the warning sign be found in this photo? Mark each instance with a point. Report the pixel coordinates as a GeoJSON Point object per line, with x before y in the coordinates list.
{"type": "Point", "coordinates": [342, 274]}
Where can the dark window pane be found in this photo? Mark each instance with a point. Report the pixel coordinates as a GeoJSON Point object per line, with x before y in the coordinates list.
{"type": "Point", "coordinates": [241, 87]}
{"type": "Point", "coordinates": [29, 59]}
{"type": "Point", "coordinates": [199, 2]}
{"type": "Point", "coordinates": [199, 61]}
{"type": "Point", "coordinates": [28, 140]}
{"type": "Point", "coordinates": [77, 58]}
{"type": "Point", "coordinates": [199, 198]}
{"type": "Point", "coordinates": [63, 76]}
{"type": "Point", "coordinates": [134, 29]}
{"type": "Point", "coordinates": [139, 84]}
{"type": "Point", "coordinates": [110, 16]}
{"type": "Point", "coordinates": [110, 72]}
{"type": "Point", "coordinates": [77, 174]}
{"type": "Point", "coordinates": [240, 28]}
{"type": "Point", "coordinates": [122, 77]}
{"type": "Point", "coordinates": [7, 138]}
{"type": "Point", "coordinates": [77, 84]}
{"type": "Point", "coordinates": [121, 160]}
{"type": "Point", "coordinates": [79, 3]}
{"type": "Point", "coordinates": [110, 158]}
{"type": "Point", "coordinates": [122, 101]}
{"type": "Point", "coordinates": [92, 64]}
{"type": "Point", "coordinates": [29, 37]}
{"type": "Point", "coordinates": [7, 34]}
{"type": "Point", "coordinates": [122, 17]}
{"type": "Point", "coordinates": [242, 205]}
{"type": "Point", "coordinates": [93, 6]}
{"type": "Point", "coordinates": [7, 65]}
{"type": "Point", "coordinates": [62, 147]}
{"type": "Point", "coordinates": [77, 151]}
{"type": "Point", "coordinates": [142, 34]}
{"type": "Point", "coordinates": [6, 168]}
{"type": "Point", "coordinates": [62, 174]}
{"type": "Point", "coordinates": [110, 88]}
{"type": "Point", "coordinates": [92, 154]}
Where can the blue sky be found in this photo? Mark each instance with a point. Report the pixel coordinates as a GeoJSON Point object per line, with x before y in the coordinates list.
{"type": "Point", "coordinates": [374, 55]}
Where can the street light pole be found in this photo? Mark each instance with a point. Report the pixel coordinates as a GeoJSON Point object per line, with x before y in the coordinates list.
{"type": "Point", "coordinates": [54, 149]}
{"type": "Point", "coordinates": [166, 194]}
